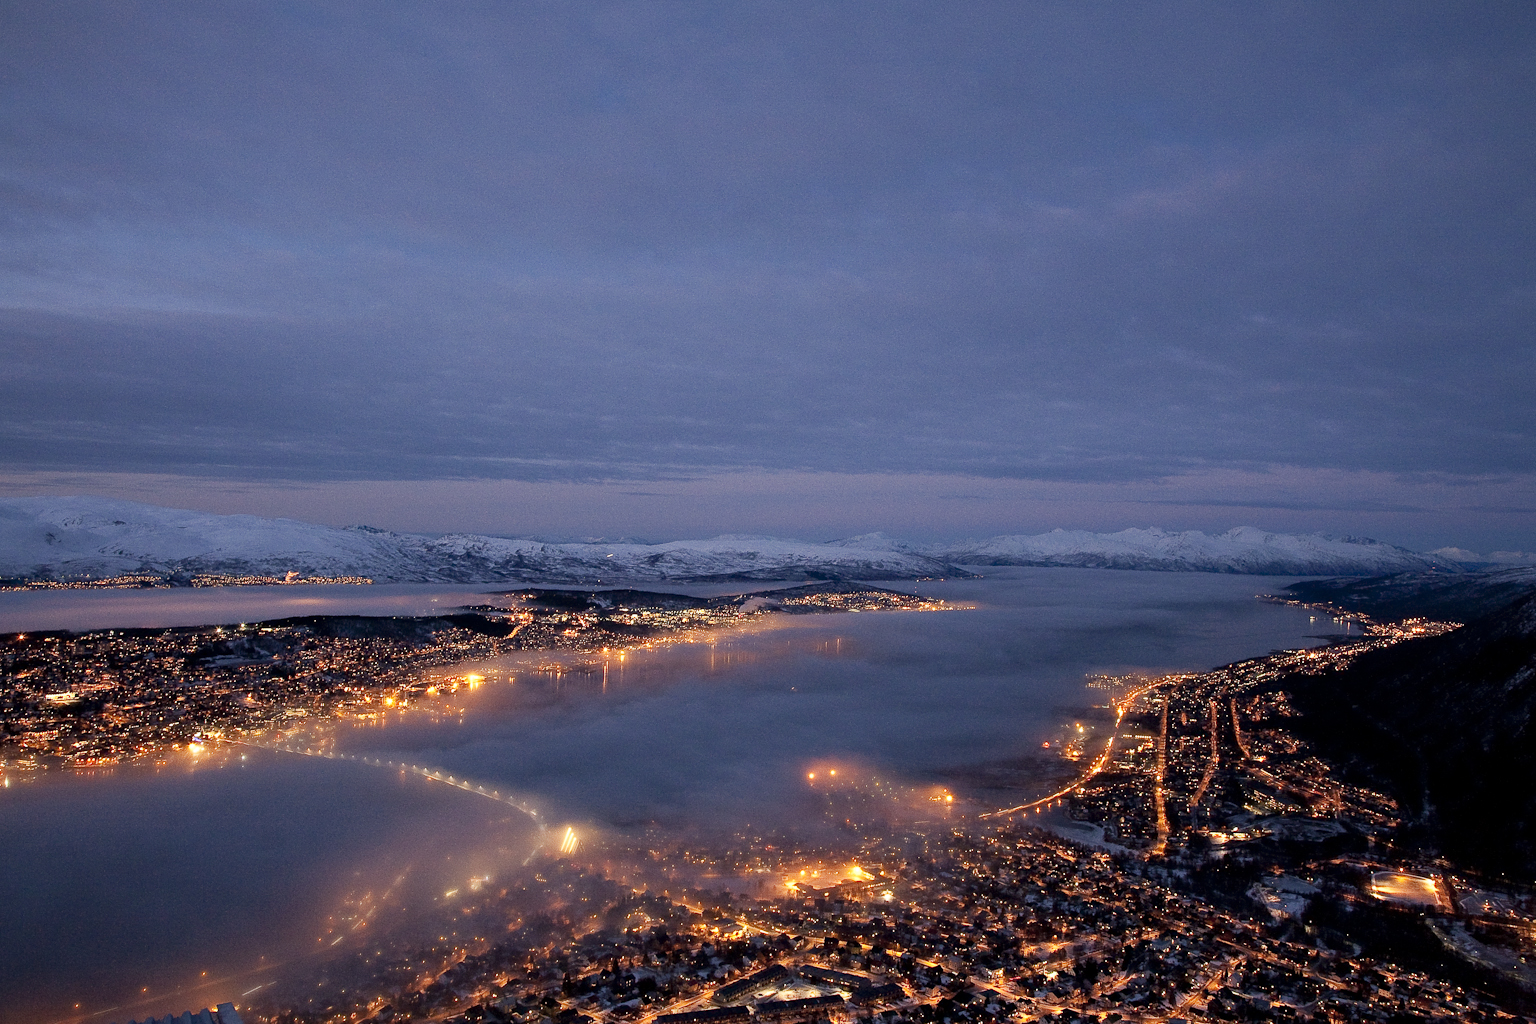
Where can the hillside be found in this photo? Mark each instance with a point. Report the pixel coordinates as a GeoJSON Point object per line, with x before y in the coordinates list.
{"type": "Point", "coordinates": [1448, 596]}
{"type": "Point", "coordinates": [1450, 722]}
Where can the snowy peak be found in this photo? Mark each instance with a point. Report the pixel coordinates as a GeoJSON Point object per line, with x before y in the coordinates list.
{"type": "Point", "coordinates": [1240, 550]}
{"type": "Point", "coordinates": [81, 538]}
{"type": "Point", "coordinates": [64, 538]}
{"type": "Point", "coordinates": [1492, 560]}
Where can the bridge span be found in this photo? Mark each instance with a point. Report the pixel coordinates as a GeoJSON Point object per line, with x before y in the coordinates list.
{"type": "Point", "coordinates": [425, 771]}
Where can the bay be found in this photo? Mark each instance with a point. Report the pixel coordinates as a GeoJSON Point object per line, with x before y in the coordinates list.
{"type": "Point", "coordinates": [141, 879]}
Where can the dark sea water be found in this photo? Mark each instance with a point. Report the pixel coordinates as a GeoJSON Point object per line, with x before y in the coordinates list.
{"type": "Point", "coordinates": [237, 862]}
{"type": "Point", "coordinates": [22, 610]}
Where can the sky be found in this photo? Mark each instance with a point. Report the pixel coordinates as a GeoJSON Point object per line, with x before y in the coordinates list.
{"type": "Point", "coordinates": [672, 269]}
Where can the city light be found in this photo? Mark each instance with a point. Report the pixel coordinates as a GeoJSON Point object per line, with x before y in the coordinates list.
{"type": "Point", "coordinates": [1161, 738]}
{"type": "Point", "coordinates": [569, 841]}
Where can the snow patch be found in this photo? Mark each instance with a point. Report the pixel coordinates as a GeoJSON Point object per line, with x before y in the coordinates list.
{"type": "Point", "coordinates": [92, 537]}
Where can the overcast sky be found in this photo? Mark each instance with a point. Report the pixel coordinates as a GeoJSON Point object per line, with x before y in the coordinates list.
{"type": "Point", "coordinates": [667, 268]}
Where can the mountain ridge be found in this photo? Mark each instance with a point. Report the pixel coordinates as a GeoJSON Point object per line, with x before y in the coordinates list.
{"type": "Point", "coordinates": [1448, 721]}
{"type": "Point", "coordinates": [88, 537]}
{"type": "Point", "coordinates": [1243, 549]}
{"type": "Point", "coordinates": [1460, 596]}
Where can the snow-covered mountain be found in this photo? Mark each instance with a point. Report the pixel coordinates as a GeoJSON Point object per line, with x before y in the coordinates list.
{"type": "Point", "coordinates": [1455, 597]}
{"type": "Point", "coordinates": [89, 537]}
{"type": "Point", "coordinates": [1241, 550]}
{"type": "Point", "coordinates": [1493, 560]}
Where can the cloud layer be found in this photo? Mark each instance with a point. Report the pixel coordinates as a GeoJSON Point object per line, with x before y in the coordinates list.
{"type": "Point", "coordinates": [1067, 243]}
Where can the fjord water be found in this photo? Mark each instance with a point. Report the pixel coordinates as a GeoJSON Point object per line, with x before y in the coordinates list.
{"type": "Point", "coordinates": [25, 610]}
{"type": "Point", "coordinates": [139, 878]}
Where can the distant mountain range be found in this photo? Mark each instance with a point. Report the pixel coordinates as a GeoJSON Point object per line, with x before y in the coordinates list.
{"type": "Point", "coordinates": [76, 538]}
{"type": "Point", "coordinates": [88, 537]}
{"type": "Point", "coordinates": [1241, 550]}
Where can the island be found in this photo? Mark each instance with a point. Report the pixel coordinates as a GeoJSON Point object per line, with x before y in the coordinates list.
{"type": "Point", "coordinates": [104, 697]}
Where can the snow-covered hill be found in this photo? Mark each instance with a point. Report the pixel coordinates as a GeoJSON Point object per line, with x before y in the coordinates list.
{"type": "Point", "coordinates": [1456, 597]}
{"type": "Point", "coordinates": [90, 537]}
{"type": "Point", "coordinates": [1242, 550]}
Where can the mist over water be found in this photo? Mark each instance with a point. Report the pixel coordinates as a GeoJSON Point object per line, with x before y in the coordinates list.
{"type": "Point", "coordinates": [142, 878]}
{"type": "Point", "coordinates": [722, 733]}
{"type": "Point", "coordinates": [22, 610]}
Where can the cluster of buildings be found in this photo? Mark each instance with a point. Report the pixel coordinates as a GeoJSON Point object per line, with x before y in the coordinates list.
{"type": "Point", "coordinates": [1192, 754]}
{"type": "Point", "coordinates": [1228, 874]}
{"type": "Point", "coordinates": [82, 700]}
{"type": "Point", "coordinates": [988, 925]}
{"type": "Point", "coordinates": [224, 1014]}
{"type": "Point", "coordinates": [100, 698]}
{"type": "Point", "coordinates": [860, 601]}
{"type": "Point", "coordinates": [155, 580]}
{"type": "Point", "coordinates": [1204, 865]}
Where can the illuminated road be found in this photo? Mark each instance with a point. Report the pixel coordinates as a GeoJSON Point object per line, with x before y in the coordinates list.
{"type": "Point", "coordinates": [1160, 845]}
{"type": "Point", "coordinates": [1098, 762]}
{"type": "Point", "coordinates": [1213, 764]}
{"type": "Point", "coordinates": [1237, 731]}
{"type": "Point", "coordinates": [1218, 978]}
{"type": "Point", "coordinates": [1335, 983]}
{"type": "Point", "coordinates": [434, 774]}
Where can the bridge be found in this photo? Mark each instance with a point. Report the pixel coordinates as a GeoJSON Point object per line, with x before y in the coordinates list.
{"type": "Point", "coordinates": [425, 771]}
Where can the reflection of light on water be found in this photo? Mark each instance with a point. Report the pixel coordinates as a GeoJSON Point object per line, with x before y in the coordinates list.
{"type": "Point", "coordinates": [453, 692]}
{"type": "Point", "coordinates": [864, 782]}
{"type": "Point", "coordinates": [661, 658]}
